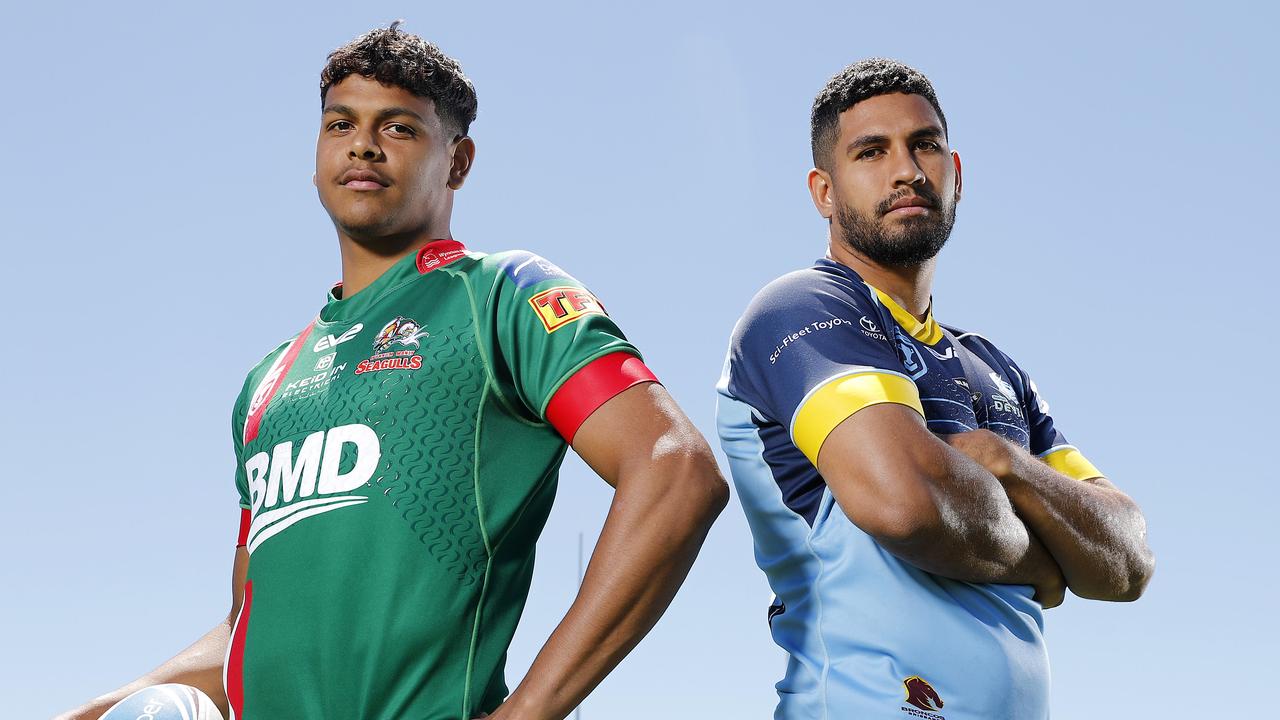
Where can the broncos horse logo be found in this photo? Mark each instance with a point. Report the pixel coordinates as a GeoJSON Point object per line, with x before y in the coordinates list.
{"type": "Point", "coordinates": [921, 694]}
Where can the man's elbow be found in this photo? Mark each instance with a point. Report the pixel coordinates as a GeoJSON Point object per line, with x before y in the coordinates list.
{"type": "Point", "coordinates": [934, 539]}
{"type": "Point", "coordinates": [1127, 581]}
{"type": "Point", "coordinates": [689, 477]}
{"type": "Point", "coordinates": [904, 524]}
{"type": "Point", "coordinates": [1141, 566]}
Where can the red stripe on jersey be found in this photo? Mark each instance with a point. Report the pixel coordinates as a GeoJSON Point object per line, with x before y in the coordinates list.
{"type": "Point", "coordinates": [235, 657]}
{"type": "Point", "coordinates": [242, 537]}
{"type": "Point", "coordinates": [270, 383]}
{"type": "Point", "coordinates": [591, 387]}
{"type": "Point", "coordinates": [439, 253]}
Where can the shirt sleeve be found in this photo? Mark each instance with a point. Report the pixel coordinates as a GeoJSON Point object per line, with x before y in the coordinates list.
{"type": "Point", "coordinates": [565, 355]}
{"type": "Point", "coordinates": [238, 415]}
{"type": "Point", "coordinates": [812, 350]}
{"type": "Point", "coordinates": [1047, 441]}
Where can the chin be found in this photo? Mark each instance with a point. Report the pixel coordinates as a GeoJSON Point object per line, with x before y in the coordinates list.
{"type": "Point", "coordinates": [365, 226]}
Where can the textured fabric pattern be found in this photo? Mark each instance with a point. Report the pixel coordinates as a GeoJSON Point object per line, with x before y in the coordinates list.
{"type": "Point", "coordinates": [398, 480]}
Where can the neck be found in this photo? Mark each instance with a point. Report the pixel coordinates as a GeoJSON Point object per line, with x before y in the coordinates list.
{"type": "Point", "coordinates": [365, 260]}
{"type": "Point", "coordinates": [910, 286]}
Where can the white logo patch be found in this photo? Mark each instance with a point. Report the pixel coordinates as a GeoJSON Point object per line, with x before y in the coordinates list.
{"type": "Point", "coordinates": [328, 341]}
{"type": "Point", "coordinates": [1003, 385]}
{"type": "Point", "coordinates": [284, 491]}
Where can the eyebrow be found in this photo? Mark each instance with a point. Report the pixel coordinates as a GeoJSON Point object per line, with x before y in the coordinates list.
{"type": "Point", "coordinates": [383, 114]}
{"type": "Point", "coordinates": [928, 131]}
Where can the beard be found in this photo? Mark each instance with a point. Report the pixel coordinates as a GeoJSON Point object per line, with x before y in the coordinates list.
{"type": "Point", "coordinates": [916, 240]}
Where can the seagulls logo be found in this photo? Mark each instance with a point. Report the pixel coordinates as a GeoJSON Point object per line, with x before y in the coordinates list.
{"type": "Point", "coordinates": [401, 331]}
{"type": "Point", "coordinates": [921, 694]}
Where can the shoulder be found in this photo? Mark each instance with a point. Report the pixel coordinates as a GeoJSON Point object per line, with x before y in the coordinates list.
{"type": "Point", "coordinates": [279, 351]}
{"type": "Point", "coordinates": [519, 269]}
{"type": "Point", "coordinates": [811, 283]}
{"type": "Point", "coordinates": [263, 367]}
{"type": "Point", "coordinates": [819, 293]}
{"type": "Point", "coordinates": [980, 344]}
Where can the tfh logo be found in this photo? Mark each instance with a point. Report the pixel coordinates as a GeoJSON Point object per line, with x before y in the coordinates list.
{"type": "Point", "coordinates": [560, 306]}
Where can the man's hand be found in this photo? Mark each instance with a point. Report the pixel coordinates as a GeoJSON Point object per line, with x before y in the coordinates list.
{"type": "Point", "coordinates": [1050, 585]}
{"type": "Point", "coordinates": [987, 449]}
{"type": "Point", "coordinates": [1095, 532]}
{"type": "Point", "coordinates": [668, 492]}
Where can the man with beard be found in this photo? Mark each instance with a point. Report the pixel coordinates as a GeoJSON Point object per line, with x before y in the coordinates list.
{"type": "Point", "coordinates": [396, 460]}
{"type": "Point", "coordinates": [911, 499]}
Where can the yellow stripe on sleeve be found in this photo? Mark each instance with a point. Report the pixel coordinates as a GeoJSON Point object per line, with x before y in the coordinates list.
{"type": "Point", "coordinates": [842, 396]}
{"type": "Point", "coordinates": [1072, 463]}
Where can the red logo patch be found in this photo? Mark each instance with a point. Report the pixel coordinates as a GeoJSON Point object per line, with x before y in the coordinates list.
{"type": "Point", "coordinates": [560, 306]}
{"type": "Point", "coordinates": [401, 360]}
{"type": "Point", "coordinates": [921, 695]}
{"type": "Point", "coordinates": [438, 254]}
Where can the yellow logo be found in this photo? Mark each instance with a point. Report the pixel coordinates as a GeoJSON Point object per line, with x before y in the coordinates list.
{"type": "Point", "coordinates": [560, 306]}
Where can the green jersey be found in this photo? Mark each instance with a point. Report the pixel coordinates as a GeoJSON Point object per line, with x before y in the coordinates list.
{"type": "Point", "coordinates": [396, 462]}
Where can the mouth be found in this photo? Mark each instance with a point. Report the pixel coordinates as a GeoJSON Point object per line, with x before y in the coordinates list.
{"type": "Point", "coordinates": [362, 180]}
{"type": "Point", "coordinates": [909, 206]}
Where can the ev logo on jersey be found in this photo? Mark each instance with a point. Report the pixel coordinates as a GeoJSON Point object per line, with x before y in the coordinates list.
{"type": "Point", "coordinates": [285, 489]}
{"type": "Point", "coordinates": [330, 342]}
{"type": "Point", "coordinates": [922, 696]}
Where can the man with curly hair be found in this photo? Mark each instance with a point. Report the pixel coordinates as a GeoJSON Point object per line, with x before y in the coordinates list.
{"type": "Point", "coordinates": [912, 501]}
{"type": "Point", "coordinates": [397, 458]}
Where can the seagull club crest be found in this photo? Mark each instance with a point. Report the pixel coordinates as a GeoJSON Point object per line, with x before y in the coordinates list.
{"type": "Point", "coordinates": [403, 332]}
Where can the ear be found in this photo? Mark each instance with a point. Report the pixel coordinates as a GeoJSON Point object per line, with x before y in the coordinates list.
{"type": "Point", "coordinates": [955, 158]}
{"type": "Point", "coordinates": [820, 191]}
{"type": "Point", "coordinates": [313, 181]}
{"type": "Point", "coordinates": [464, 154]}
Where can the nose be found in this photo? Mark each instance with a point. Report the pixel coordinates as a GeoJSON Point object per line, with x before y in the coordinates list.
{"type": "Point", "coordinates": [364, 146]}
{"type": "Point", "coordinates": [907, 171]}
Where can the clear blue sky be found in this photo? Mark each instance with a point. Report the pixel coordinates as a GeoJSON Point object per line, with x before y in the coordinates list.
{"type": "Point", "coordinates": [1117, 236]}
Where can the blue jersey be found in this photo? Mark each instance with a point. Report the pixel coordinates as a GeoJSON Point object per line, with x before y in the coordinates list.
{"type": "Point", "coordinates": [871, 636]}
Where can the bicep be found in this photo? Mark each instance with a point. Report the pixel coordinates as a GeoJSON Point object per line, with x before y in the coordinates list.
{"type": "Point", "coordinates": [874, 462]}
{"type": "Point", "coordinates": [634, 428]}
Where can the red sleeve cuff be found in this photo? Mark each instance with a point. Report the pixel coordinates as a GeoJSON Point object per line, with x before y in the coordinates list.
{"type": "Point", "coordinates": [242, 538]}
{"type": "Point", "coordinates": [593, 386]}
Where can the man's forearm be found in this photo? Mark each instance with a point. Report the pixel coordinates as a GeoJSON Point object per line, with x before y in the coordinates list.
{"type": "Point", "coordinates": [1094, 531]}
{"type": "Point", "coordinates": [976, 536]}
{"type": "Point", "coordinates": [658, 520]}
{"type": "Point", "coordinates": [199, 666]}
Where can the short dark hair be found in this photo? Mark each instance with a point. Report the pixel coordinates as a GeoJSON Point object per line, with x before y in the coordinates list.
{"type": "Point", "coordinates": [394, 57]}
{"type": "Point", "coordinates": [860, 81]}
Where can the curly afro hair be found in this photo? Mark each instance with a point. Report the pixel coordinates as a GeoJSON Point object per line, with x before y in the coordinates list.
{"type": "Point", "coordinates": [860, 81]}
{"type": "Point", "coordinates": [394, 57]}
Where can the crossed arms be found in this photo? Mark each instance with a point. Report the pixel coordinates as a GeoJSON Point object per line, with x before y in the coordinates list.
{"type": "Point", "coordinates": [976, 508]}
